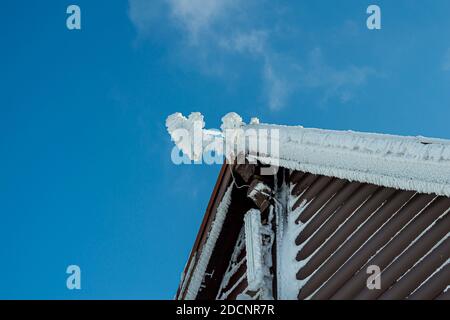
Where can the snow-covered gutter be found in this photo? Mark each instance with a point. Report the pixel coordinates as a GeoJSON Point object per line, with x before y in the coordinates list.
{"type": "Point", "coordinates": [207, 249]}
{"type": "Point", "coordinates": [407, 163]}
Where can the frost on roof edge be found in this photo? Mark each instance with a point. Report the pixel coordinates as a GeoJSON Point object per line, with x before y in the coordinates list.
{"type": "Point", "coordinates": [408, 163]}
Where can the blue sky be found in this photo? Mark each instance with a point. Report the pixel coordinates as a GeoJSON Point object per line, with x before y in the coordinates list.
{"type": "Point", "coordinates": [86, 176]}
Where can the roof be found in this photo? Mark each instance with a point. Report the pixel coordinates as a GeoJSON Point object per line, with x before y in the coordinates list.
{"type": "Point", "coordinates": [217, 195]}
{"type": "Point", "coordinates": [330, 234]}
{"type": "Point", "coordinates": [337, 230]}
{"type": "Point", "coordinates": [350, 200]}
{"type": "Point", "coordinates": [215, 240]}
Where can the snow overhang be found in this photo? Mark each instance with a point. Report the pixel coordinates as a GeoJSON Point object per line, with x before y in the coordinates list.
{"type": "Point", "coordinates": [407, 163]}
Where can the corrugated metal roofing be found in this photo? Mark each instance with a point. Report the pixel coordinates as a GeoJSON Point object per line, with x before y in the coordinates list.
{"type": "Point", "coordinates": [344, 227]}
{"type": "Point", "coordinates": [234, 281]}
{"type": "Point", "coordinates": [337, 230]}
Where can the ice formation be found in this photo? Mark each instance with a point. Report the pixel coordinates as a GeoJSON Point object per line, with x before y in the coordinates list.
{"type": "Point", "coordinates": [207, 249]}
{"type": "Point", "coordinates": [408, 163]}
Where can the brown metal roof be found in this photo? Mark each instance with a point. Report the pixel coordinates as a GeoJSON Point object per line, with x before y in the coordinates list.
{"type": "Point", "coordinates": [224, 246]}
{"type": "Point", "coordinates": [223, 181]}
{"type": "Point", "coordinates": [350, 226]}
{"type": "Point", "coordinates": [344, 227]}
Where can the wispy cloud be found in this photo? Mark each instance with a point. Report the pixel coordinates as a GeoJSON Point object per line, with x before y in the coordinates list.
{"type": "Point", "coordinates": [147, 16]}
{"type": "Point", "coordinates": [197, 17]}
{"type": "Point", "coordinates": [220, 33]}
{"type": "Point", "coordinates": [335, 82]}
{"type": "Point", "coordinates": [278, 86]}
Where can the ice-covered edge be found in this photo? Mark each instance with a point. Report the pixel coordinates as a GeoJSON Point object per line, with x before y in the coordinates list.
{"type": "Point", "coordinates": [406, 163]}
{"type": "Point", "coordinates": [208, 247]}
{"type": "Point", "coordinates": [253, 244]}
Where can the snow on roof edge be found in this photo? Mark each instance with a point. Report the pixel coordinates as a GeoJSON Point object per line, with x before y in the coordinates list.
{"type": "Point", "coordinates": [407, 163]}
{"type": "Point", "coordinates": [207, 249]}
{"type": "Point", "coordinates": [403, 162]}
{"type": "Point", "coordinates": [363, 177]}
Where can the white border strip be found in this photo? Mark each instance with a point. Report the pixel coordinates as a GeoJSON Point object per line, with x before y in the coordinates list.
{"type": "Point", "coordinates": [208, 247]}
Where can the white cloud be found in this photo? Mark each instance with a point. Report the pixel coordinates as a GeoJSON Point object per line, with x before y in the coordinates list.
{"type": "Point", "coordinates": [198, 16]}
{"type": "Point", "coordinates": [253, 42]}
{"type": "Point", "coordinates": [215, 35]}
{"type": "Point", "coordinates": [335, 82]}
{"type": "Point", "coordinates": [278, 88]}
{"type": "Point", "coordinates": [283, 76]}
